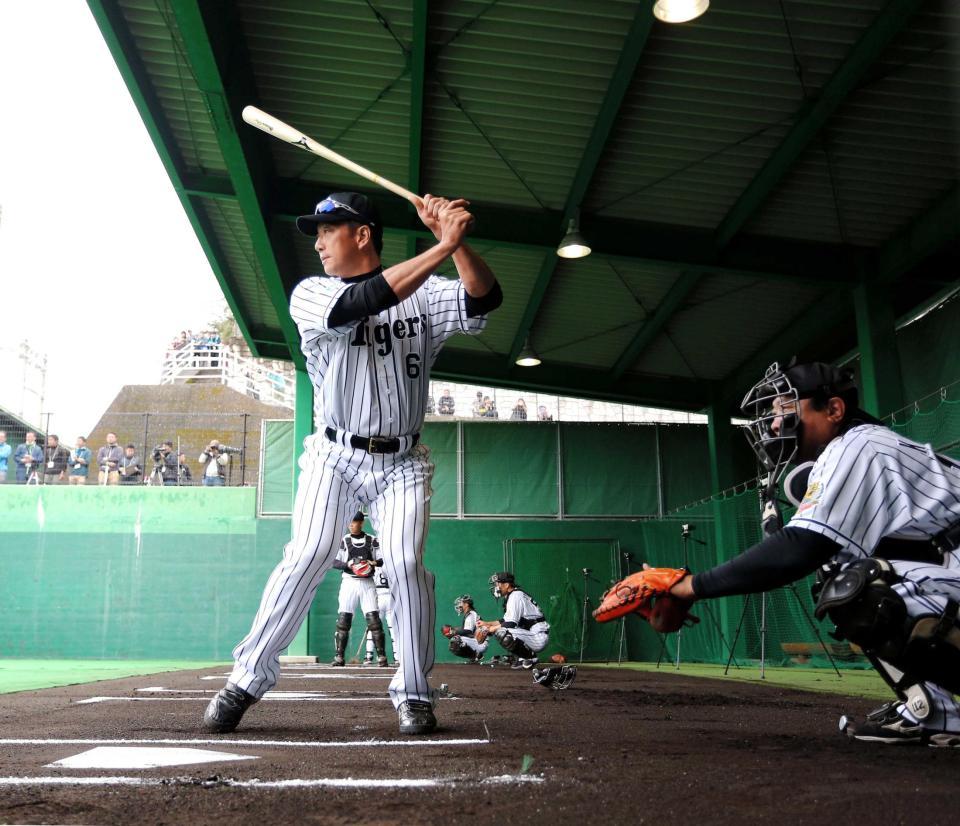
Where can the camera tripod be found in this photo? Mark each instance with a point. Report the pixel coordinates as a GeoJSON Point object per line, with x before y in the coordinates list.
{"type": "Point", "coordinates": [685, 531]}
{"type": "Point", "coordinates": [771, 520]}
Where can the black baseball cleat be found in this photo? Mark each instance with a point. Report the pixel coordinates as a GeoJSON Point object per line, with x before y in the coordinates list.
{"type": "Point", "coordinates": [338, 661]}
{"type": "Point", "coordinates": [416, 717]}
{"type": "Point", "coordinates": [226, 709]}
{"type": "Point", "coordinates": [884, 725]}
{"type": "Point", "coordinates": [382, 662]}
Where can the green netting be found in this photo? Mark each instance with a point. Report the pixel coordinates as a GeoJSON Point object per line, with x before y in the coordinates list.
{"type": "Point", "coordinates": [276, 476]}
{"type": "Point", "coordinates": [934, 420]}
{"type": "Point", "coordinates": [510, 469]}
{"type": "Point", "coordinates": [930, 351]}
{"type": "Point", "coordinates": [597, 459]}
{"type": "Point", "coordinates": [441, 438]}
{"type": "Point", "coordinates": [685, 465]}
{"type": "Point", "coordinates": [553, 571]}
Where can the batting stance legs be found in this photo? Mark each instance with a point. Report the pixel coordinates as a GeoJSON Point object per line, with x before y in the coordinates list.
{"type": "Point", "coordinates": [334, 480]}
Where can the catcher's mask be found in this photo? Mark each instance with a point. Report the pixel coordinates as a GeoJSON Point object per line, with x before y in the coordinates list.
{"type": "Point", "coordinates": [557, 677]}
{"type": "Point", "coordinates": [776, 398]}
{"type": "Point", "coordinates": [460, 603]}
{"type": "Point", "coordinates": [496, 579]}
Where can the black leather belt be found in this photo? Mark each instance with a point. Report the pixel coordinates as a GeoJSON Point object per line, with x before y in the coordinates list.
{"type": "Point", "coordinates": [373, 444]}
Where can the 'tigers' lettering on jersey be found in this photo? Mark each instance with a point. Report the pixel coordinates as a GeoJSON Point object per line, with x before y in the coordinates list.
{"type": "Point", "coordinates": [384, 334]}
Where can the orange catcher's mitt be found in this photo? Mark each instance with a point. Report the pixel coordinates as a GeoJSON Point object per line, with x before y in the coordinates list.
{"type": "Point", "coordinates": [648, 593]}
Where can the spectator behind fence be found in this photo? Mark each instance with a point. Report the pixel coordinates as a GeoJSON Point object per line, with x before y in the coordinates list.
{"type": "Point", "coordinates": [5, 451]}
{"type": "Point", "coordinates": [519, 412]}
{"type": "Point", "coordinates": [55, 460]}
{"type": "Point", "coordinates": [478, 404]}
{"type": "Point", "coordinates": [80, 458]}
{"type": "Point", "coordinates": [108, 460]}
{"type": "Point", "coordinates": [27, 458]}
{"type": "Point", "coordinates": [446, 405]}
{"type": "Point", "coordinates": [165, 463]}
{"type": "Point", "coordinates": [131, 468]}
{"type": "Point", "coordinates": [185, 477]}
{"type": "Point", "coordinates": [214, 460]}
{"type": "Point", "coordinates": [543, 414]}
{"type": "Point", "coordinates": [489, 408]}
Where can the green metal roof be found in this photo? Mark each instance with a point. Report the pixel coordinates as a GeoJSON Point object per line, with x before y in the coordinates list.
{"type": "Point", "coordinates": [736, 176]}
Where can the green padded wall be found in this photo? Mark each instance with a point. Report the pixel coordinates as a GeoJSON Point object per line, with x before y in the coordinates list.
{"type": "Point", "coordinates": [441, 438]}
{"type": "Point", "coordinates": [277, 468]}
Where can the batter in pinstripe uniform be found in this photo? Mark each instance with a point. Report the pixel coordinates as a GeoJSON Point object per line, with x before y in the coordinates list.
{"type": "Point", "coordinates": [369, 336]}
{"type": "Point", "coordinates": [879, 517]}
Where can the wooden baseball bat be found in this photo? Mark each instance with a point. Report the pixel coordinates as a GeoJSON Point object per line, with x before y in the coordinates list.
{"type": "Point", "coordinates": [272, 126]}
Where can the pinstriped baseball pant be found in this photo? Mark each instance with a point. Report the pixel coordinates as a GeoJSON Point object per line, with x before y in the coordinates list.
{"type": "Point", "coordinates": [334, 481]}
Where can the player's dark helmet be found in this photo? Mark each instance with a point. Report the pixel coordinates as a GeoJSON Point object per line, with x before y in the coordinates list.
{"type": "Point", "coordinates": [786, 386]}
{"type": "Point", "coordinates": [497, 578]}
{"type": "Point", "coordinates": [460, 604]}
{"type": "Point", "coordinates": [557, 677]}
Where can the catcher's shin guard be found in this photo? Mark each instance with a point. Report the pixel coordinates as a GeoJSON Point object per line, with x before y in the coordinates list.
{"type": "Point", "coordinates": [457, 647]}
{"type": "Point", "coordinates": [342, 634]}
{"type": "Point", "coordinates": [375, 627]}
{"type": "Point", "coordinates": [516, 647]}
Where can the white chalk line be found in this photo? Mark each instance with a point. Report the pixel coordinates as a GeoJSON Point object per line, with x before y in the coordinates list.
{"type": "Point", "coordinates": [320, 782]}
{"type": "Point", "coordinates": [220, 678]}
{"type": "Point", "coordinates": [292, 698]}
{"type": "Point", "coordinates": [274, 693]}
{"type": "Point", "coordinates": [223, 741]}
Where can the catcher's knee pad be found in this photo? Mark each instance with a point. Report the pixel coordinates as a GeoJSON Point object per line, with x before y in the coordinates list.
{"type": "Point", "coordinates": [458, 647]}
{"type": "Point", "coordinates": [373, 621]}
{"type": "Point", "coordinates": [870, 613]}
{"type": "Point", "coordinates": [516, 647]}
{"type": "Point", "coordinates": [344, 621]}
{"type": "Point", "coordinates": [342, 634]}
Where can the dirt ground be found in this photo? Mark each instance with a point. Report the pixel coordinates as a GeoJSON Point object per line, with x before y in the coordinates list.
{"type": "Point", "coordinates": [617, 747]}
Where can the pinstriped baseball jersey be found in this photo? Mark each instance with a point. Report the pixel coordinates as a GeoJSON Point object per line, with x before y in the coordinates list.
{"type": "Point", "coordinates": [372, 377]}
{"type": "Point", "coordinates": [872, 483]}
{"type": "Point", "coordinates": [470, 621]}
{"type": "Point", "coordinates": [522, 611]}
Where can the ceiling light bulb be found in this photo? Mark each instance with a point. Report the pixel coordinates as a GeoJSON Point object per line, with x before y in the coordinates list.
{"type": "Point", "coordinates": [573, 244]}
{"type": "Point", "coordinates": [679, 11]}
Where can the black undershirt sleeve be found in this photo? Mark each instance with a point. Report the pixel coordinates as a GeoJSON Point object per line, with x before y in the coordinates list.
{"type": "Point", "coordinates": [369, 297]}
{"type": "Point", "coordinates": [781, 558]}
{"type": "Point", "coordinates": [486, 304]}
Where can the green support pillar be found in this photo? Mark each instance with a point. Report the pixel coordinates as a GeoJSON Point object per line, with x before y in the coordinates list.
{"type": "Point", "coordinates": [720, 435]}
{"type": "Point", "coordinates": [880, 375]}
{"type": "Point", "coordinates": [302, 427]}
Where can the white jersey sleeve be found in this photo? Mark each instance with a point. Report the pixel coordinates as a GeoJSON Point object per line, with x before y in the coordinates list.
{"type": "Point", "coordinates": [446, 300]}
{"type": "Point", "coordinates": [871, 483]}
{"type": "Point", "coordinates": [470, 621]}
{"type": "Point", "coordinates": [310, 305]}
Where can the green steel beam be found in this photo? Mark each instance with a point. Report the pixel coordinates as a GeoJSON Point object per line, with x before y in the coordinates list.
{"type": "Point", "coordinates": [825, 314]}
{"type": "Point", "coordinates": [880, 375]}
{"type": "Point", "coordinates": [302, 427]}
{"type": "Point", "coordinates": [939, 225]}
{"type": "Point", "coordinates": [815, 112]}
{"type": "Point", "coordinates": [125, 54]}
{"type": "Point", "coordinates": [416, 65]}
{"type": "Point", "coordinates": [617, 89]}
{"type": "Point", "coordinates": [212, 39]}
{"type": "Point", "coordinates": [676, 295]}
{"type": "Point", "coordinates": [571, 380]}
{"type": "Point", "coordinates": [689, 247]}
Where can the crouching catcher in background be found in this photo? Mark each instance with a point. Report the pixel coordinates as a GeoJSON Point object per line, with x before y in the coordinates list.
{"type": "Point", "coordinates": [523, 631]}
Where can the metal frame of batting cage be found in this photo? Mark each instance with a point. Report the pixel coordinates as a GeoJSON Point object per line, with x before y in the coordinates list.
{"type": "Point", "coordinates": [616, 574]}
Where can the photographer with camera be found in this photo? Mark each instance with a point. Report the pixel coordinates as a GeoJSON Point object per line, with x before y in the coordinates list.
{"type": "Point", "coordinates": [165, 464]}
{"type": "Point", "coordinates": [215, 460]}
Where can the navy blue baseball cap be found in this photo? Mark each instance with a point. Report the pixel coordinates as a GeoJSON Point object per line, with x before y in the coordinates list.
{"type": "Point", "coordinates": [339, 207]}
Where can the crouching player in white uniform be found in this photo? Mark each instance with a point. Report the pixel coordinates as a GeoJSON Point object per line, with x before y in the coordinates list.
{"type": "Point", "coordinates": [385, 609]}
{"type": "Point", "coordinates": [357, 558]}
{"type": "Point", "coordinates": [523, 631]}
{"type": "Point", "coordinates": [462, 640]}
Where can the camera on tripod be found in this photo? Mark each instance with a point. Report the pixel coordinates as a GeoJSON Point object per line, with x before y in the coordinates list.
{"type": "Point", "coordinates": [587, 571]}
{"type": "Point", "coordinates": [686, 530]}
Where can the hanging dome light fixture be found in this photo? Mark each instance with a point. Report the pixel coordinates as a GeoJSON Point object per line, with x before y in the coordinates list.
{"type": "Point", "coordinates": [528, 356]}
{"type": "Point", "coordinates": [573, 244]}
{"type": "Point", "coordinates": [679, 11]}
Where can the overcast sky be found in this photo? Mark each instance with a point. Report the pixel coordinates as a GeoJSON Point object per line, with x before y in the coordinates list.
{"type": "Point", "coordinates": [98, 264]}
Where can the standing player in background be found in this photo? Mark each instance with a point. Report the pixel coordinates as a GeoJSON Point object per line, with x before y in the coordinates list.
{"type": "Point", "coordinates": [880, 522]}
{"type": "Point", "coordinates": [462, 639]}
{"type": "Point", "coordinates": [358, 559]}
{"type": "Point", "coordinates": [385, 609]}
{"type": "Point", "coordinates": [369, 336]}
{"type": "Point", "coordinates": [523, 631]}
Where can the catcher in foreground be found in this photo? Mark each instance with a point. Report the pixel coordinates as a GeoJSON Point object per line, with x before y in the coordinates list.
{"type": "Point", "coordinates": [879, 522]}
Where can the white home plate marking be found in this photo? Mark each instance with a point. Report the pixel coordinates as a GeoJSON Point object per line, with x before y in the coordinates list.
{"type": "Point", "coordinates": [328, 782]}
{"type": "Point", "coordinates": [136, 757]}
{"type": "Point", "coordinates": [221, 741]}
